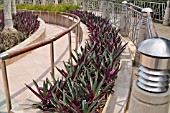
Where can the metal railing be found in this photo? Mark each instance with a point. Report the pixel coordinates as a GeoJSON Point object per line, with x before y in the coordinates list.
{"type": "Point", "coordinates": [12, 54]}
{"type": "Point", "coordinates": [158, 8]}
{"type": "Point", "coordinates": [133, 18]}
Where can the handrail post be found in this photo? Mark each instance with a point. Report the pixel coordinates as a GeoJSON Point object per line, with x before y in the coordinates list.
{"type": "Point", "coordinates": [166, 20]}
{"type": "Point", "coordinates": [77, 36]}
{"type": "Point", "coordinates": [142, 32]}
{"type": "Point", "coordinates": [69, 43]}
{"type": "Point", "coordinates": [6, 86]}
{"type": "Point", "coordinates": [52, 57]}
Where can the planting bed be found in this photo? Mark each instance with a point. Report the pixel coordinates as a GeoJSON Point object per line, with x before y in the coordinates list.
{"type": "Point", "coordinates": [24, 22]}
{"type": "Point", "coordinates": [89, 76]}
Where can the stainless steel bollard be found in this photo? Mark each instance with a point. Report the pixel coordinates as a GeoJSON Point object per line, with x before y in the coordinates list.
{"type": "Point", "coordinates": [150, 92]}
{"type": "Point", "coordinates": [153, 74]}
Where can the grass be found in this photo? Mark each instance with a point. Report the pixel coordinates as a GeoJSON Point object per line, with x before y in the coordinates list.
{"type": "Point", "coordinates": [63, 7]}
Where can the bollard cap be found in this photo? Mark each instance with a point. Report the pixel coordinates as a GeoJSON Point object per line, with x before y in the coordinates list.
{"type": "Point", "coordinates": [156, 47]}
{"type": "Point", "coordinates": [124, 2]}
{"type": "Point", "coordinates": [145, 10]}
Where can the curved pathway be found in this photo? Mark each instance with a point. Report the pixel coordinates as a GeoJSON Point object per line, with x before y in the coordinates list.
{"type": "Point", "coordinates": [34, 66]}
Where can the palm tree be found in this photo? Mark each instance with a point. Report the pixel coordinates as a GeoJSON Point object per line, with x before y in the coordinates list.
{"type": "Point", "coordinates": [8, 24]}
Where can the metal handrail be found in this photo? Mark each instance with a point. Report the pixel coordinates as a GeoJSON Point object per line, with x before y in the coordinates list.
{"type": "Point", "coordinates": [134, 6]}
{"type": "Point", "coordinates": [44, 42]}
{"type": "Point", "coordinates": [151, 27]}
{"type": "Point", "coordinates": [11, 54]}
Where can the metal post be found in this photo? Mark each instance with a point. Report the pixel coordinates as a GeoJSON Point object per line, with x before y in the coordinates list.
{"type": "Point", "coordinates": [52, 57]}
{"type": "Point", "coordinates": [79, 40]}
{"type": "Point", "coordinates": [69, 43]}
{"type": "Point", "coordinates": [77, 36]}
{"type": "Point", "coordinates": [6, 86]}
{"type": "Point", "coordinates": [167, 14]}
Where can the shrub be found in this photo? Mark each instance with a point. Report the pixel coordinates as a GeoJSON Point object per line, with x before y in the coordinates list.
{"type": "Point", "coordinates": [89, 76]}
{"type": "Point", "coordinates": [63, 7]}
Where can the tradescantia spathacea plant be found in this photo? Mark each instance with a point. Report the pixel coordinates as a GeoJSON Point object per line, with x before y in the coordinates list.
{"type": "Point", "coordinates": [24, 22]}
{"type": "Point", "coordinates": [89, 76]}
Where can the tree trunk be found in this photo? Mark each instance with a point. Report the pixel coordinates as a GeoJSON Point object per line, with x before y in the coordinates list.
{"type": "Point", "coordinates": [56, 2]}
{"type": "Point", "coordinates": [13, 6]}
{"type": "Point", "coordinates": [8, 16]}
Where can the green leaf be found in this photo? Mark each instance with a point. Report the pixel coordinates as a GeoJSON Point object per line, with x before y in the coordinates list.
{"type": "Point", "coordinates": [96, 93]}
{"type": "Point", "coordinates": [44, 89]}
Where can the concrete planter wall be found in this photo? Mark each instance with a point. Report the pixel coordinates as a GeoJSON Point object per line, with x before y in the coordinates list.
{"type": "Point", "coordinates": [57, 19]}
{"type": "Point", "coordinates": [37, 36]}
{"type": "Point", "coordinates": [118, 101]}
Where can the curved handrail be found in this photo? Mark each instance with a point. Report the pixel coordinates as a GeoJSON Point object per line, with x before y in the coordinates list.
{"type": "Point", "coordinates": [134, 6]}
{"type": "Point", "coordinates": [41, 43]}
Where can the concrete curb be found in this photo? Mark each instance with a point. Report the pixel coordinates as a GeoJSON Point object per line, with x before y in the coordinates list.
{"type": "Point", "coordinates": [118, 101]}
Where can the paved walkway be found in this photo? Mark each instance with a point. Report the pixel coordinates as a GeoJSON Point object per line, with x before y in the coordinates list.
{"type": "Point", "coordinates": [34, 66]}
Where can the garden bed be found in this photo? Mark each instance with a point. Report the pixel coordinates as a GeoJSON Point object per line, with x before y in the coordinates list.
{"type": "Point", "coordinates": [35, 37]}
{"type": "Point", "coordinates": [89, 76]}
{"type": "Point", "coordinates": [120, 89]}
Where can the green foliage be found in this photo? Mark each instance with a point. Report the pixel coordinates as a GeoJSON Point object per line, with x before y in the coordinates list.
{"type": "Point", "coordinates": [63, 7]}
